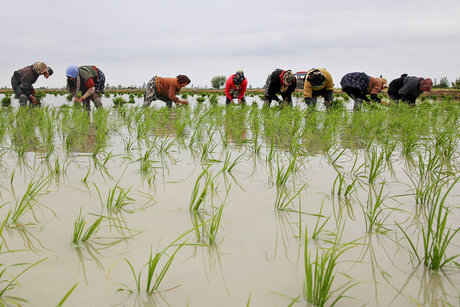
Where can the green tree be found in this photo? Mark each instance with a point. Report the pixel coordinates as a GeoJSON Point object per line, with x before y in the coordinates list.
{"type": "Point", "coordinates": [218, 81]}
{"type": "Point", "coordinates": [443, 83]}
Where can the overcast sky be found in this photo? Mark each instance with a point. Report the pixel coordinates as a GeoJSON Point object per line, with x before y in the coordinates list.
{"type": "Point", "coordinates": [131, 41]}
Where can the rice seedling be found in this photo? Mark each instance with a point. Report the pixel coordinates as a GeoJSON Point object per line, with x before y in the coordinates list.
{"type": "Point", "coordinates": [152, 283]}
{"type": "Point", "coordinates": [165, 144]}
{"type": "Point", "coordinates": [213, 100]}
{"type": "Point", "coordinates": [145, 161]}
{"type": "Point", "coordinates": [7, 284]}
{"type": "Point", "coordinates": [431, 176]}
{"type": "Point", "coordinates": [320, 274]}
{"type": "Point", "coordinates": [78, 235]}
{"type": "Point", "coordinates": [28, 200]}
{"type": "Point", "coordinates": [284, 198]}
{"type": "Point", "coordinates": [283, 172]}
{"type": "Point", "coordinates": [119, 101]}
{"type": "Point", "coordinates": [374, 211]}
{"type": "Point", "coordinates": [197, 198]}
{"type": "Point", "coordinates": [216, 217]}
{"type": "Point", "coordinates": [116, 203]}
{"type": "Point", "coordinates": [228, 167]}
{"type": "Point", "coordinates": [6, 101]}
{"type": "Point", "coordinates": [319, 227]}
{"type": "Point", "coordinates": [376, 165]}
{"type": "Point", "coordinates": [435, 233]}
{"type": "Point", "coordinates": [66, 296]}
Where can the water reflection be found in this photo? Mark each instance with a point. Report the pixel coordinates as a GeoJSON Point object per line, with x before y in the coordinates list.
{"type": "Point", "coordinates": [93, 251]}
{"type": "Point", "coordinates": [431, 288]}
{"type": "Point", "coordinates": [82, 141]}
{"type": "Point", "coordinates": [30, 241]}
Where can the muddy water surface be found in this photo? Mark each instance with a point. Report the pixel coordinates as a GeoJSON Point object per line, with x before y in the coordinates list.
{"type": "Point", "coordinates": [258, 252]}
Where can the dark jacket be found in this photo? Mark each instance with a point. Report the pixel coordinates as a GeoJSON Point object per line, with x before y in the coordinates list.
{"type": "Point", "coordinates": [273, 86]}
{"type": "Point", "coordinates": [395, 86]}
{"type": "Point", "coordinates": [25, 78]}
{"type": "Point", "coordinates": [411, 87]}
{"type": "Point", "coordinates": [404, 87]}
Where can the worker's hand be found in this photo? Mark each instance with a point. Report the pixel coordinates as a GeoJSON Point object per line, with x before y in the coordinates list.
{"type": "Point", "coordinates": [34, 100]}
{"type": "Point", "coordinates": [184, 102]}
{"type": "Point", "coordinates": [240, 101]}
{"type": "Point", "coordinates": [79, 100]}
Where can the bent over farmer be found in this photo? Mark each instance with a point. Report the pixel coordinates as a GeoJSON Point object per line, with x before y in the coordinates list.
{"type": "Point", "coordinates": [22, 81]}
{"type": "Point", "coordinates": [407, 89]}
{"type": "Point", "coordinates": [318, 82]}
{"type": "Point", "coordinates": [358, 85]}
{"type": "Point", "coordinates": [279, 82]}
{"type": "Point", "coordinates": [235, 88]}
{"type": "Point", "coordinates": [88, 79]}
{"type": "Point", "coordinates": [165, 89]}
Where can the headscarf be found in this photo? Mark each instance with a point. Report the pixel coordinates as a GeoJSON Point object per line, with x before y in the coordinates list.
{"type": "Point", "coordinates": [426, 84]}
{"type": "Point", "coordinates": [183, 79]}
{"type": "Point", "coordinates": [40, 67]}
{"type": "Point", "coordinates": [288, 77]}
{"type": "Point", "coordinates": [238, 77]}
{"type": "Point", "coordinates": [71, 71]}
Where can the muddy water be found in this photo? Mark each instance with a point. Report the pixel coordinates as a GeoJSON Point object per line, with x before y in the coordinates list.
{"type": "Point", "coordinates": [259, 251]}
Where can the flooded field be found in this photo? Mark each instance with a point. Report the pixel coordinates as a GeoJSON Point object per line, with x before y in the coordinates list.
{"type": "Point", "coordinates": [214, 206]}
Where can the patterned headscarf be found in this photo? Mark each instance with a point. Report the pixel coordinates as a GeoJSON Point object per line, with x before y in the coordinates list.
{"type": "Point", "coordinates": [40, 67]}
{"type": "Point", "coordinates": [426, 84]}
{"type": "Point", "coordinates": [238, 77]}
{"type": "Point", "coordinates": [288, 77]}
{"type": "Point", "coordinates": [71, 71]}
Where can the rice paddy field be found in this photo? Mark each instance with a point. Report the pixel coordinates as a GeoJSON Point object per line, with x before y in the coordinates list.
{"type": "Point", "coordinates": [208, 205]}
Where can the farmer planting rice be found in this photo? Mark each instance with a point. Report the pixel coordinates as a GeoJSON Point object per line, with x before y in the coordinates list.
{"type": "Point", "coordinates": [279, 82]}
{"type": "Point", "coordinates": [407, 89]}
{"type": "Point", "coordinates": [89, 80]}
{"type": "Point", "coordinates": [318, 82]}
{"type": "Point", "coordinates": [358, 85]}
{"type": "Point", "coordinates": [235, 88]}
{"type": "Point", "coordinates": [165, 89]}
{"type": "Point", "coordinates": [22, 81]}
